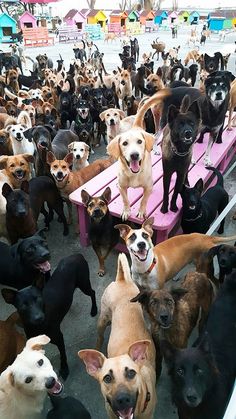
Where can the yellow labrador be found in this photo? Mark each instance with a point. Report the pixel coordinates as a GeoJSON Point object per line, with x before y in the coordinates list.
{"type": "Point", "coordinates": [116, 122]}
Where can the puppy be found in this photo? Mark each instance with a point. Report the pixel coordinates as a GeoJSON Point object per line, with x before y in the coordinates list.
{"type": "Point", "coordinates": [127, 377]}
{"type": "Point", "coordinates": [175, 313]}
{"type": "Point", "coordinates": [116, 122]}
{"type": "Point", "coordinates": [102, 234]}
{"type": "Point", "coordinates": [25, 384]}
{"type": "Point", "coordinates": [80, 152]}
{"type": "Point", "coordinates": [152, 265]}
{"type": "Point", "coordinates": [199, 211]}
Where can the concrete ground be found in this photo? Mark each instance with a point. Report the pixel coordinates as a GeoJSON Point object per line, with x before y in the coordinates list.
{"type": "Point", "coordinates": [78, 327]}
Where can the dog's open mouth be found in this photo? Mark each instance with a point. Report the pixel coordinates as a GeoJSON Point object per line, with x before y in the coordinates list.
{"type": "Point", "coordinates": [60, 178]}
{"type": "Point", "coordinates": [125, 413]}
{"type": "Point", "coordinates": [141, 254]}
{"type": "Point", "coordinates": [43, 266]}
{"type": "Point", "coordinates": [19, 175]}
{"type": "Point", "coordinates": [134, 165]}
{"type": "Point", "coordinates": [192, 207]}
{"type": "Point", "coordinates": [56, 389]}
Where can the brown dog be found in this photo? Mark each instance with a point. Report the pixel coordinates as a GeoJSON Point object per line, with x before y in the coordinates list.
{"type": "Point", "coordinates": [193, 55]}
{"type": "Point", "coordinates": [127, 377]}
{"type": "Point", "coordinates": [175, 313]}
{"type": "Point", "coordinates": [152, 265]}
{"type": "Point", "coordinates": [16, 168]}
{"type": "Point", "coordinates": [12, 342]}
{"type": "Point", "coordinates": [5, 143]}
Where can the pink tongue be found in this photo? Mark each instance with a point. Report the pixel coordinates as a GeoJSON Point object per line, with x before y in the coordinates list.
{"type": "Point", "coordinates": [56, 389]}
{"type": "Point", "coordinates": [126, 413]}
{"type": "Point", "coordinates": [134, 166]}
{"type": "Point", "coordinates": [44, 267]}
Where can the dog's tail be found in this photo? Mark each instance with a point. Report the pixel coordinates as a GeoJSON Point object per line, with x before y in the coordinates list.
{"type": "Point", "coordinates": [216, 239]}
{"type": "Point", "coordinates": [220, 179]}
{"type": "Point", "coordinates": [156, 99]}
{"type": "Point", "coordinates": [123, 269]}
{"type": "Point", "coordinates": [9, 94]}
{"type": "Point", "coordinates": [24, 119]}
{"type": "Point", "coordinates": [219, 56]}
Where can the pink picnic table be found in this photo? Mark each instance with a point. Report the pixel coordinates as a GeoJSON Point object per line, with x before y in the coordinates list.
{"type": "Point", "coordinates": [165, 225]}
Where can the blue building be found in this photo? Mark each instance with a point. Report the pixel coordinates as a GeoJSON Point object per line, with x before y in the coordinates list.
{"type": "Point", "coordinates": [216, 21]}
{"type": "Point", "coordinates": [159, 16]}
{"type": "Point", "coordinates": [194, 18]}
{"type": "Point", "coordinates": [7, 27]}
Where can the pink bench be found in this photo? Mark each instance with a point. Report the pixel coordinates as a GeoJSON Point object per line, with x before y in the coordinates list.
{"type": "Point", "coordinates": [165, 225]}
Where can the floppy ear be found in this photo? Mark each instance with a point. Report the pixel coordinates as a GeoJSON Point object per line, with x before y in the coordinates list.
{"type": "Point", "coordinates": [37, 343]}
{"type": "Point", "coordinates": [121, 113]}
{"type": "Point", "coordinates": [113, 147]}
{"type": "Point", "coordinates": [147, 225]}
{"type": "Point", "coordinates": [50, 157]}
{"type": "Point", "coordinates": [178, 293]}
{"type": "Point", "coordinates": [169, 353]}
{"type": "Point", "coordinates": [124, 230]}
{"type": "Point", "coordinates": [199, 185]}
{"type": "Point", "coordinates": [149, 141]}
{"type": "Point", "coordinates": [93, 361]}
{"type": "Point", "coordinates": [28, 157]}
{"type": "Point", "coordinates": [172, 113]}
{"type": "Point", "coordinates": [102, 115]}
{"type": "Point", "coordinates": [142, 297]}
{"type": "Point", "coordinates": [71, 146]}
{"type": "Point", "coordinates": [9, 295]}
{"type": "Point", "coordinates": [85, 197]}
{"type": "Point", "coordinates": [214, 251]}
{"type": "Point", "coordinates": [25, 186]}
{"type": "Point", "coordinates": [138, 350]}
{"type": "Point", "coordinates": [3, 162]}
{"type": "Point", "coordinates": [6, 190]}
{"type": "Point", "coordinates": [106, 195]}
{"type": "Point", "coordinates": [195, 109]}
{"type": "Point", "coordinates": [69, 158]}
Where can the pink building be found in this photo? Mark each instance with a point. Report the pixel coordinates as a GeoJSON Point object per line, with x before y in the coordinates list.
{"type": "Point", "coordinates": [27, 20]}
{"type": "Point", "coordinates": [75, 18]}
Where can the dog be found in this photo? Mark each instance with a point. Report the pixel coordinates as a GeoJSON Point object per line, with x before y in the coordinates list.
{"type": "Point", "coordinates": [152, 265]}
{"type": "Point", "coordinates": [5, 143]}
{"type": "Point", "coordinates": [43, 307]}
{"type": "Point", "coordinates": [193, 55]}
{"type": "Point", "coordinates": [174, 314]}
{"type": "Point", "coordinates": [199, 211]}
{"type": "Point", "coordinates": [25, 261]}
{"type": "Point", "coordinates": [132, 105]}
{"type": "Point", "coordinates": [83, 126]}
{"type": "Point", "coordinates": [12, 342]}
{"type": "Point", "coordinates": [215, 63]}
{"type": "Point", "coordinates": [80, 152]}
{"type": "Point", "coordinates": [25, 384]}
{"type": "Point", "coordinates": [127, 377]}
{"type": "Point", "coordinates": [202, 377]}
{"type": "Point", "coordinates": [214, 106]}
{"type": "Point", "coordinates": [116, 122]}
{"type": "Point", "coordinates": [20, 143]}
{"type": "Point", "coordinates": [232, 105]}
{"type": "Point", "coordinates": [61, 141]}
{"type": "Point", "coordinates": [134, 49]}
{"type": "Point", "coordinates": [154, 83]}
{"type": "Point", "coordinates": [110, 36]}
{"type": "Point", "coordinates": [67, 408]}
{"type": "Point", "coordinates": [42, 62]}
{"type": "Point", "coordinates": [125, 85]}
{"type": "Point", "coordinates": [102, 234]}
{"type": "Point", "coordinates": [226, 257]}
{"type": "Point", "coordinates": [16, 168]}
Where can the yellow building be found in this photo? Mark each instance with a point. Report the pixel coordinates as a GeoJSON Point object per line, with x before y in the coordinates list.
{"type": "Point", "coordinates": [97, 17]}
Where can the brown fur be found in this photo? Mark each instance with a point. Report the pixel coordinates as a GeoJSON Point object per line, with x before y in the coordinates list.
{"type": "Point", "coordinates": [193, 55]}
{"type": "Point", "coordinates": [10, 164]}
{"type": "Point", "coordinates": [5, 143]}
{"type": "Point", "coordinates": [12, 342]}
{"type": "Point", "coordinates": [12, 80]}
{"type": "Point", "coordinates": [232, 105]}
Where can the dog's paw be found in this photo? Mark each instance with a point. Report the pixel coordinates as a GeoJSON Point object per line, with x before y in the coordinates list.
{"type": "Point", "coordinates": [125, 214]}
{"type": "Point", "coordinates": [229, 129]}
{"type": "Point", "coordinates": [207, 162]}
{"type": "Point", "coordinates": [141, 214]}
{"type": "Point", "coordinates": [173, 207]}
{"type": "Point", "coordinates": [94, 310]}
{"type": "Point", "coordinates": [164, 209]}
{"type": "Point", "coordinates": [101, 272]}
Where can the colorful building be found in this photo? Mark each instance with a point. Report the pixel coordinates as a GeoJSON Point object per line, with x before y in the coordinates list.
{"type": "Point", "coordinates": [160, 17]}
{"type": "Point", "coordinates": [117, 16]}
{"type": "Point", "coordinates": [27, 20]}
{"type": "Point", "coordinates": [95, 17]}
{"type": "Point", "coordinates": [146, 16]}
{"type": "Point", "coordinates": [75, 18]}
{"type": "Point", "coordinates": [7, 27]}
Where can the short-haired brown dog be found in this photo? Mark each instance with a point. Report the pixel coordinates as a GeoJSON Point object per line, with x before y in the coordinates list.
{"type": "Point", "coordinates": [16, 168]}
{"type": "Point", "coordinates": [127, 377]}
{"type": "Point", "coordinates": [5, 143]}
{"type": "Point", "coordinates": [175, 313]}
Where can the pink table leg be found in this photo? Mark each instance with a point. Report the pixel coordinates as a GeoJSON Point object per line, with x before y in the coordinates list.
{"type": "Point", "coordinates": [83, 225]}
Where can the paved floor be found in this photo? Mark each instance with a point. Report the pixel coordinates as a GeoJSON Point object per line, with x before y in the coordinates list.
{"type": "Point", "coordinates": [78, 327]}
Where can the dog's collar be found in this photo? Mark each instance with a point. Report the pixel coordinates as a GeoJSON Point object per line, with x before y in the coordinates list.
{"type": "Point", "coordinates": [148, 398]}
{"type": "Point", "coordinates": [194, 219]}
{"type": "Point", "coordinates": [153, 264]}
{"type": "Point", "coordinates": [180, 154]}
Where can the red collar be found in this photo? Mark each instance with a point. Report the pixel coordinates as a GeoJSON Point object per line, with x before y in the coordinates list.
{"type": "Point", "coordinates": [154, 262]}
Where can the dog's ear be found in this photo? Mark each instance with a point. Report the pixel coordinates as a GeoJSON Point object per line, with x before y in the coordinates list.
{"type": "Point", "coordinates": [169, 353]}
{"type": "Point", "coordinates": [178, 293]}
{"type": "Point", "coordinates": [28, 157]}
{"type": "Point", "coordinates": [9, 295]}
{"type": "Point", "coordinates": [195, 109]}
{"type": "Point", "coordinates": [70, 147]}
{"type": "Point", "coordinates": [159, 72]}
{"type": "Point", "coordinates": [6, 190]}
{"type": "Point", "coordinates": [205, 345]}
{"type": "Point", "coordinates": [11, 379]}
{"type": "Point", "coordinates": [3, 162]}
{"type": "Point", "coordinates": [149, 141]}
{"type": "Point", "coordinates": [214, 251]}
{"type": "Point", "coordinates": [51, 130]}
{"type": "Point", "coordinates": [121, 113]}
{"type": "Point", "coordinates": [113, 147]}
{"type": "Point", "coordinates": [69, 159]}
{"type": "Point", "coordinates": [25, 186]}
{"type": "Point", "coordinates": [199, 185]}
{"type": "Point", "coordinates": [106, 195]}
{"type": "Point", "coordinates": [85, 197]}
{"type": "Point", "coordinates": [37, 343]}
{"type": "Point", "coordinates": [124, 230]}
{"type": "Point", "coordinates": [138, 350]}
{"type": "Point", "coordinates": [93, 361]}
{"type": "Point", "coordinates": [50, 157]}
{"type": "Point", "coordinates": [172, 113]}
{"type": "Point", "coordinates": [119, 69]}
{"type": "Point", "coordinates": [142, 297]}
{"type": "Point", "coordinates": [102, 115]}
{"type": "Point", "coordinates": [147, 225]}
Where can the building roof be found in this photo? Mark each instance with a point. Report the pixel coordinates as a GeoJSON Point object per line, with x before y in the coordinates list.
{"type": "Point", "coordinates": [146, 13]}
{"type": "Point", "coordinates": [7, 16]}
{"type": "Point", "coordinates": [160, 12]}
{"type": "Point", "coordinates": [71, 14]}
{"type": "Point", "coordinates": [94, 12]}
{"type": "Point", "coordinates": [84, 11]}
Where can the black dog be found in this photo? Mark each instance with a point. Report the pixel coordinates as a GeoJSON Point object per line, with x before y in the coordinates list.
{"type": "Point", "coordinates": [226, 256]}
{"type": "Point", "coordinates": [65, 108]}
{"type": "Point", "coordinates": [102, 234]}
{"type": "Point", "coordinates": [80, 53]}
{"type": "Point", "coordinates": [83, 126]}
{"type": "Point", "coordinates": [25, 261]}
{"type": "Point", "coordinates": [215, 63]}
{"type": "Point", "coordinates": [42, 310]}
{"type": "Point", "coordinates": [97, 105]}
{"type": "Point", "coordinates": [199, 211]}
{"type": "Point", "coordinates": [29, 81]}
{"type": "Point", "coordinates": [67, 408]}
{"type": "Point", "coordinates": [9, 61]}
{"type": "Point", "coordinates": [203, 377]}
{"type": "Point", "coordinates": [134, 45]}
{"type": "Point", "coordinates": [18, 36]}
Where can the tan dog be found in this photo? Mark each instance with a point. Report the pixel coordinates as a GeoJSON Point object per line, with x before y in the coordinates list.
{"type": "Point", "coordinates": [125, 84]}
{"type": "Point", "coordinates": [132, 149]}
{"type": "Point", "coordinates": [116, 122]}
{"type": "Point", "coordinates": [127, 377]}
{"type": "Point", "coordinates": [193, 55]}
{"type": "Point", "coordinates": [12, 342]}
{"type": "Point", "coordinates": [110, 36]}
{"type": "Point", "coordinates": [232, 105]}
{"type": "Point", "coordinates": [155, 83]}
{"type": "Point", "coordinates": [152, 265]}
{"type": "Point", "coordinates": [80, 152]}
{"type": "Point", "coordinates": [67, 181]}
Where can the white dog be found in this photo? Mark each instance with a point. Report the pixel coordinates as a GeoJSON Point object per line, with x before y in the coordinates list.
{"type": "Point", "coordinates": [80, 152]}
{"type": "Point", "coordinates": [20, 144]}
{"type": "Point", "coordinates": [25, 383]}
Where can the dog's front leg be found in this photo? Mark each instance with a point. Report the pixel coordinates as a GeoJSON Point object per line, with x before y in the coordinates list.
{"type": "Point", "coordinates": [207, 159]}
{"type": "Point", "coordinates": [143, 204]}
{"type": "Point", "coordinates": [58, 340]}
{"type": "Point", "coordinates": [178, 186]}
{"type": "Point", "coordinates": [126, 210]}
{"type": "Point", "coordinates": [166, 186]}
{"type": "Point", "coordinates": [69, 207]}
{"type": "Point", "coordinates": [219, 136]}
{"type": "Point", "coordinates": [101, 260]}
{"type": "Point", "coordinates": [103, 321]}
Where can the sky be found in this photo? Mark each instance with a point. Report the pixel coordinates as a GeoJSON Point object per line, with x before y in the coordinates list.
{"type": "Point", "coordinates": [63, 6]}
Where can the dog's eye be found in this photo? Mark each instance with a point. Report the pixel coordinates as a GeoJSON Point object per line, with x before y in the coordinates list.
{"type": "Point", "coordinates": [64, 166]}
{"type": "Point", "coordinates": [108, 114]}
{"type": "Point", "coordinates": [145, 236]}
{"type": "Point", "coordinates": [139, 141]}
{"type": "Point", "coordinates": [107, 379]}
{"type": "Point", "coordinates": [125, 143]}
{"type": "Point", "coordinates": [22, 163]}
{"type": "Point", "coordinates": [28, 380]}
{"type": "Point", "coordinates": [40, 362]}
{"type": "Point", "coordinates": [55, 166]}
{"type": "Point", "coordinates": [131, 374]}
{"type": "Point", "coordinates": [115, 114]}
{"type": "Point", "coordinates": [132, 237]}
{"type": "Point", "coordinates": [91, 205]}
{"type": "Point", "coordinates": [180, 372]}
{"type": "Point", "coordinates": [12, 165]}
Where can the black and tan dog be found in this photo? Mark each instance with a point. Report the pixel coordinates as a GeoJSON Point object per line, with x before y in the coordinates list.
{"type": "Point", "coordinates": [101, 231]}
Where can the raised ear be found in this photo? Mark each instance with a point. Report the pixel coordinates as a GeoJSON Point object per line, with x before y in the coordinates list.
{"type": "Point", "coordinates": [11, 379]}
{"type": "Point", "coordinates": [71, 146]}
{"type": "Point", "coordinates": [69, 158]}
{"type": "Point", "coordinates": [178, 293]}
{"type": "Point", "coordinates": [142, 297]}
{"type": "Point", "coordinates": [149, 141]}
{"type": "Point", "coordinates": [37, 343]}
{"type": "Point", "coordinates": [85, 197]}
{"type": "Point", "coordinates": [172, 113]}
{"type": "Point", "coordinates": [28, 157]}
{"type": "Point", "coordinates": [119, 69]}
{"type": "Point", "coordinates": [195, 109]}
{"type": "Point", "coordinates": [169, 353]}
{"type": "Point", "coordinates": [3, 162]}
{"type": "Point", "coordinates": [102, 115]}
{"type": "Point", "coordinates": [113, 147]}
{"type": "Point", "coordinates": [147, 225]}
{"type": "Point", "coordinates": [106, 195]}
{"type": "Point", "coordinates": [25, 186]}
{"type": "Point", "coordinates": [159, 72]}
{"type": "Point", "coordinates": [199, 185]}
{"type": "Point", "coordinates": [50, 157]}
{"type": "Point", "coordinates": [124, 230]}
{"type": "Point", "coordinates": [93, 361]}
{"type": "Point", "coordinates": [6, 190]}
{"type": "Point", "coordinates": [9, 295]}
{"type": "Point", "coordinates": [121, 113]}
{"type": "Point", "coordinates": [138, 350]}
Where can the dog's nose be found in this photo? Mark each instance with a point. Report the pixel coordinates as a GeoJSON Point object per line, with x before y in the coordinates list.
{"type": "Point", "coordinates": [134, 156]}
{"type": "Point", "coordinates": [22, 212]}
{"type": "Point", "coordinates": [218, 95]}
{"type": "Point", "coordinates": [38, 318]}
{"type": "Point", "coordinates": [192, 398]}
{"type": "Point", "coordinates": [188, 134]}
{"type": "Point", "coordinates": [164, 318]}
{"type": "Point", "coordinates": [122, 82]}
{"type": "Point", "coordinates": [43, 143]}
{"type": "Point", "coordinates": [123, 400]}
{"type": "Point", "coordinates": [19, 172]}
{"type": "Point", "coordinates": [78, 156]}
{"type": "Point", "coordinates": [141, 245]}
{"type": "Point", "coordinates": [50, 382]}
{"type": "Point", "coordinates": [60, 175]}
{"type": "Point", "coordinates": [112, 122]}
{"type": "Point", "coordinates": [18, 135]}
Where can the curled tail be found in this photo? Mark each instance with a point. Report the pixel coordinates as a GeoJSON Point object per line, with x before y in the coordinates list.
{"type": "Point", "coordinates": [217, 240]}
{"type": "Point", "coordinates": [24, 119]}
{"type": "Point", "coordinates": [123, 269]}
{"type": "Point", "coordinates": [156, 99]}
{"type": "Point", "coordinates": [220, 179]}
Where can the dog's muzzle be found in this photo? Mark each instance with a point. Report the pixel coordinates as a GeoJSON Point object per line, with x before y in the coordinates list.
{"type": "Point", "coordinates": [60, 176]}
{"type": "Point", "coordinates": [188, 135]}
{"type": "Point", "coordinates": [134, 163]}
{"type": "Point", "coordinates": [122, 82]}
{"type": "Point", "coordinates": [123, 405]}
{"type": "Point", "coordinates": [112, 122]}
{"type": "Point", "coordinates": [142, 252]}
{"type": "Point", "coordinates": [19, 174]}
{"type": "Point", "coordinates": [19, 137]}
{"type": "Point", "coordinates": [53, 386]}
